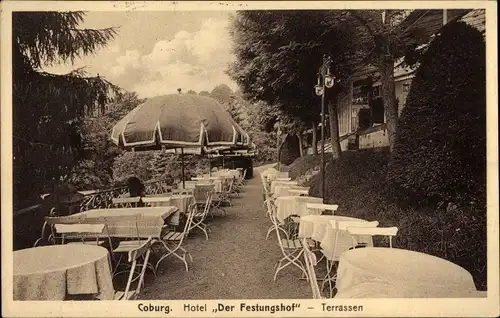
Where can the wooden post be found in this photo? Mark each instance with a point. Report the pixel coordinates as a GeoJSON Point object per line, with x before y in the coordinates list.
{"type": "Point", "coordinates": [182, 161]}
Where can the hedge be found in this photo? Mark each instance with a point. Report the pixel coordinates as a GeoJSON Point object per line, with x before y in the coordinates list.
{"type": "Point", "coordinates": [440, 151]}
{"type": "Point", "coordinates": [357, 182]}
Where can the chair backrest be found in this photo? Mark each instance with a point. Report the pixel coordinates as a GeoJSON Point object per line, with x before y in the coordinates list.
{"type": "Point", "coordinates": [190, 215]}
{"type": "Point", "coordinates": [390, 232]}
{"type": "Point", "coordinates": [157, 201]}
{"type": "Point", "coordinates": [79, 231]}
{"type": "Point", "coordinates": [182, 191]}
{"type": "Point", "coordinates": [126, 202]}
{"type": "Point", "coordinates": [203, 191]}
{"type": "Point", "coordinates": [187, 185]}
{"type": "Point", "coordinates": [344, 225]}
{"type": "Point", "coordinates": [166, 189]}
{"type": "Point", "coordinates": [320, 206]}
{"type": "Point", "coordinates": [282, 175]}
{"type": "Point", "coordinates": [310, 260]}
{"type": "Point", "coordinates": [135, 253]}
{"type": "Point", "coordinates": [52, 220]}
{"type": "Point", "coordinates": [129, 221]}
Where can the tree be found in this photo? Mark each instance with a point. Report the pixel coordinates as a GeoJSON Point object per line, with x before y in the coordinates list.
{"type": "Point", "coordinates": [95, 167]}
{"type": "Point", "coordinates": [222, 93]}
{"type": "Point", "coordinates": [48, 109]}
{"type": "Point", "coordinates": [191, 92]}
{"type": "Point", "coordinates": [278, 56]}
{"type": "Point", "coordinates": [381, 38]}
{"type": "Point", "coordinates": [204, 93]}
{"type": "Point", "coordinates": [440, 152]}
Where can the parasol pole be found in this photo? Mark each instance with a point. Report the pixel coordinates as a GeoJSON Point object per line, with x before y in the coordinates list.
{"type": "Point", "coordinates": [182, 161]}
{"type": "Point", "coordinates": [222, 161]}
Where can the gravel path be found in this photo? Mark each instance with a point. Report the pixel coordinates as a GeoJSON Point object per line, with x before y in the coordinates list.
{"type": "Point", "coordinates": [237, 262]}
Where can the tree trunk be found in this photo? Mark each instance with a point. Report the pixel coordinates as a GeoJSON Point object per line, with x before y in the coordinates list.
{"type": "Point", "coordinates": [334, 130]}
{"type": "Point", "coordinates": [315, 138]}
{"type": "Point", "coordinates": [386, 68]}
{"type": "Point", "coordinates": [301, 150]}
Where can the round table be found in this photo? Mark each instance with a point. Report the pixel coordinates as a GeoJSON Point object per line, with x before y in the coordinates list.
{"type": "Point", "coordinates": [52, 272]}
{"type": "Point", "coordinates": [395, 273]}
{"type": "Point", "coordinates": [281, 183]}
{"type": "Point", "coordinates": [294, 205]}
{"type": "Point", "coordinates": [335, 242]}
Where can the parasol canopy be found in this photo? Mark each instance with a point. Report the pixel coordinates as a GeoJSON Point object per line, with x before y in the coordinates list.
{"type": "Point", "coordinates": [179, 121]}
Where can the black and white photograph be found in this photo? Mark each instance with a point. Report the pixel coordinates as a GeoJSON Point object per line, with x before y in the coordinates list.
{"type": "Point", "coordinates": [204, 159]}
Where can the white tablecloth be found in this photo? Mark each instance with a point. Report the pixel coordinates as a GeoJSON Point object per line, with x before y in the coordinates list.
{"type": "Point", "coordinates": [314, 226]}
{"type": "Point", "coordinates": [294, 205]}
{"type": "Point", "coordinates": [274, 184]}
{"type": "Point", "coordinates": [333, 251]}
{"type": "Point", "coordinates": [52, 272]}
{"type": "Point", "coordinates": [396, 273]}
{"type": "Point", "coordinates": [289, 190]}
{"type": "Point", "coordinates": [150, 224]}
{"type": "Point", "coordinates": [180, 201]}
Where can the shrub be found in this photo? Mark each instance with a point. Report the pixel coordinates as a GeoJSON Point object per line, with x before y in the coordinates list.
{"type": "Point", "coordinates": [303, 164]}
{"type": "Point", "coordinates": [440, 151]}
{"type": "Point", "coordinates": [290, 150]}
{"type": "Point", "coordinates": [357, 182]}
{"type": "Point", "coordinates": [133, 164]}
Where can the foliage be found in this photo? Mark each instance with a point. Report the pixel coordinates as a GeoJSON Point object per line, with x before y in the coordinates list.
{"type": "Point", "coordinates": [357, 182]}
{"type": "Point", "coordinates": [157, 165]}
{"type": "Point", "coordinates": [380, 37]}
{"type": "Point", "coordinates": [440, 153]}
{"type": "Point", "coordinates": [48, 109]}
{"type": "Point", "coordinates": [266, 146]}
{"type": "Point", "coordinates": [133, 164]}
{"type": "Point", "coordinates": [278, 55]}
{"type": "Point", "coordinates": [222, 93]}
{"type": "Point", "coordinates": [303, 164]}
{"type": "Point", "coordinates": [95, 171]}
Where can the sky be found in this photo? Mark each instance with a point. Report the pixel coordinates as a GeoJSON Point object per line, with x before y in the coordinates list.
{"type": "Point", "coordinates": [154, 53]}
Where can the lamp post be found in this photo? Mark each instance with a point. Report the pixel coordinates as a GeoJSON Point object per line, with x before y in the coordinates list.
{"type": "Point", "coordinates": [325, 80]}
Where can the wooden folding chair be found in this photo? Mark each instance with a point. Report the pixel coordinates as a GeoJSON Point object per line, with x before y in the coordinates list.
{"type": "Point", "coordinates": [134, 253]}
{"type": "Point", "coordinates": [310, 261]}
{"type": "Point", "coordinates": [83, 233]}
{"type": "Point", "coordinates": [172, 240]}
{"type": "Point", "coordinates": [203, 196]}
{"type": "Point", "coordinates": [130, 240]}
{"type": "Point", "coordinates": [51, 221]}
{"type": "Point", "coordinates": [291, 249]}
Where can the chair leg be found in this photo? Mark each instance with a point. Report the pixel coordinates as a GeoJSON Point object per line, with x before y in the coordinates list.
{"type": "Point", "coordinates": [270, 231]}
{"type": "Point", "coordinates": [173, 252]}
{"type": "Point", "coordinates": [295, 261]}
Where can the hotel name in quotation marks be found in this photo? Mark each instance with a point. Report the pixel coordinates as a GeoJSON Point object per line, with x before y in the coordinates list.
{"type": "Point", "coordinates": [246, 307]}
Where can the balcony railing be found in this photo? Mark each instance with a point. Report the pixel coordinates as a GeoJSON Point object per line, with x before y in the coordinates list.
{"type": "Point", "coordinates": [104, 199]}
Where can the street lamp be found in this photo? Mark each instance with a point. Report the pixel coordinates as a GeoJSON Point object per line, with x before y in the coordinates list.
{"type": "Point", "coordinates": [325, 79]}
